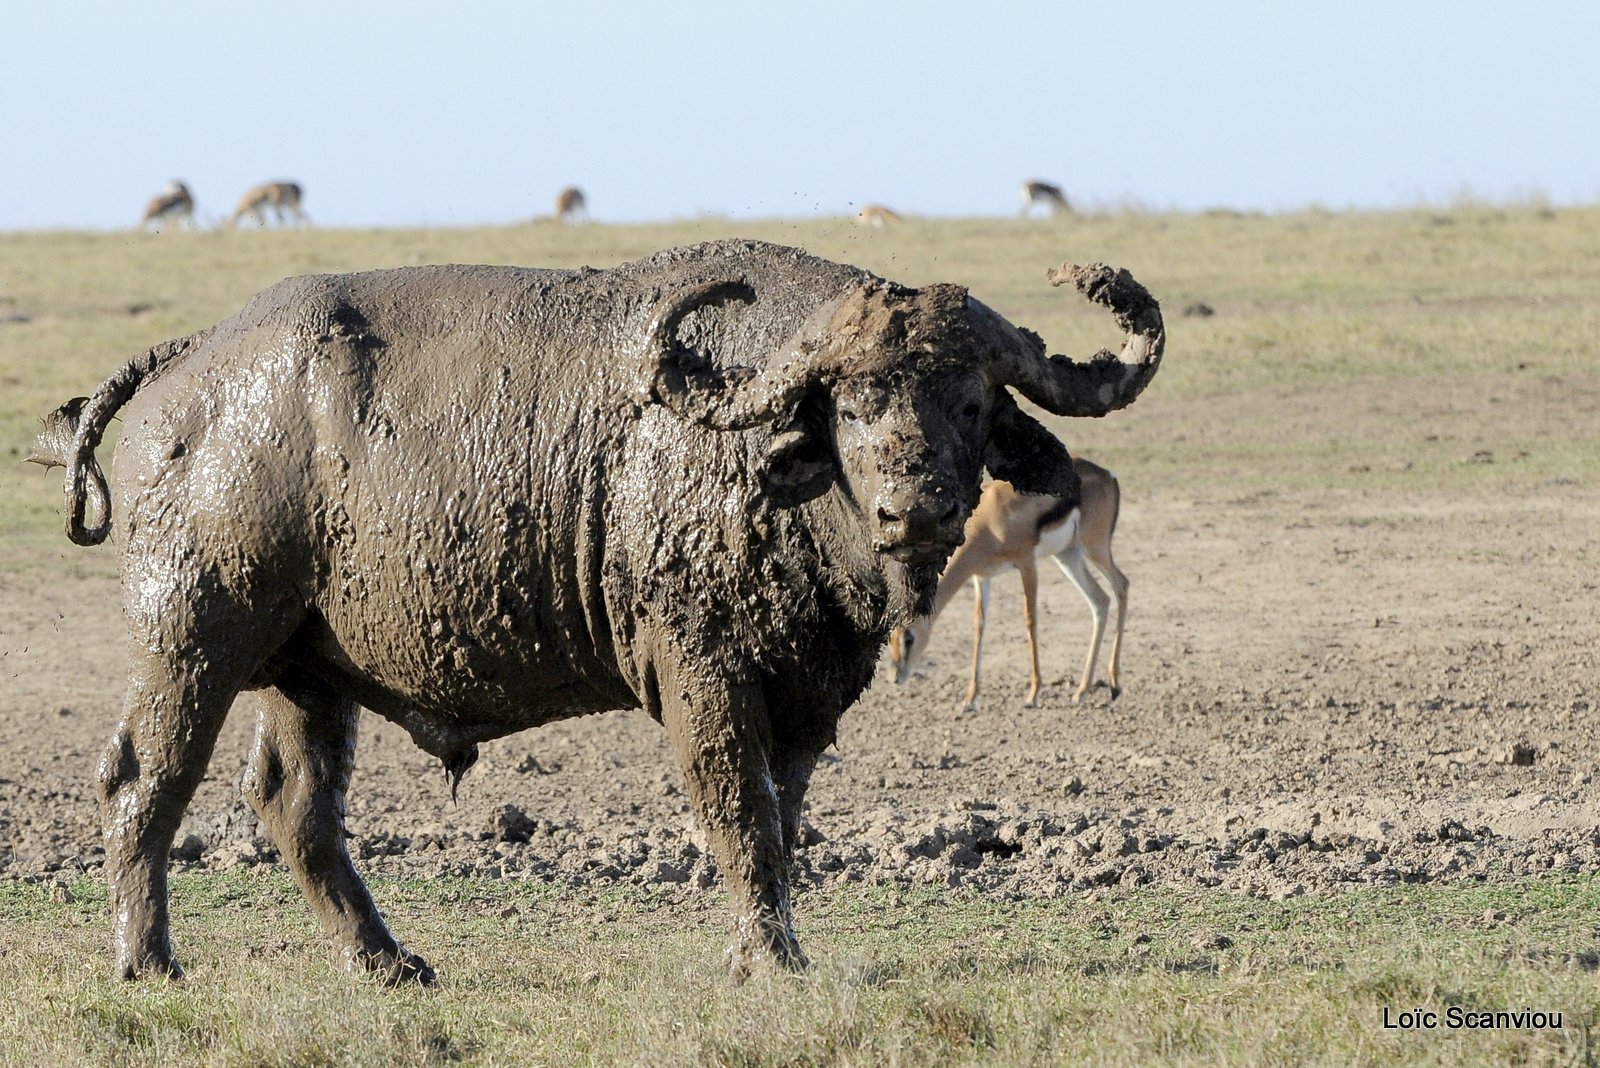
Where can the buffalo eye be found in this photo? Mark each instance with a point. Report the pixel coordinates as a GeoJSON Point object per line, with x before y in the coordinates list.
{"type": "Point", "coordinates": [848, 417]}
{"type": "Point", "coordinates": [964, 414]}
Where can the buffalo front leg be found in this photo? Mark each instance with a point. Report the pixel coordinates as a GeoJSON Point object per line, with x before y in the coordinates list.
{"type": "Point", "coordinates": [296, 779]}
{"type": "Point", "coordinates": [792, 765]}
{"type": "Point", "coordinates": [723, 740]}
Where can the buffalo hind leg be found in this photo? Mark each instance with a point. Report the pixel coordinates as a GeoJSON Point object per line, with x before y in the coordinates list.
{"type": "Point", "coordinates": [296, 779]}
{"type": "Point", "coordinates": [723, 739]}
{"type": "Point", "coordinates": [158, 754]}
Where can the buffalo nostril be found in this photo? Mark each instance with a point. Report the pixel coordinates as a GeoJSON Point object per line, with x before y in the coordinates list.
{"type": "Point", "coordinates": [924, 521]}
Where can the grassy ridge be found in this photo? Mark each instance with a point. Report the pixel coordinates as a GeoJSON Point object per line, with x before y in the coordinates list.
{"type": "Point", "coordinates": [537, 975]}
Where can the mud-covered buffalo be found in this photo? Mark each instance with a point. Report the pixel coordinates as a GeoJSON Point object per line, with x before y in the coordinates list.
{"type": "Point", "coordinates": [479, 499]}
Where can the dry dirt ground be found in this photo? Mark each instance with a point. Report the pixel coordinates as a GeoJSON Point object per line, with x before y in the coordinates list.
{"type": "Point", "coordinates": [1320, 693]}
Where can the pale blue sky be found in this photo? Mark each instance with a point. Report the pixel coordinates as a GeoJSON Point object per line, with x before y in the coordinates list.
{"type": "Point", "coordinates": [398, 113]}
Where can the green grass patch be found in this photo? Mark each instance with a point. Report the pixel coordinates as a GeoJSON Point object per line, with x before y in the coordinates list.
{"type": "Point", "coordinates": [532, 974]}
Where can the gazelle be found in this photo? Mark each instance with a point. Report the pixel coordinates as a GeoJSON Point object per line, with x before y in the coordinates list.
{"type": "Point", "coordinates": [877, 215]}
{"type": "Point", "coordinates": [172, 204]}
{"type": "Point", "coordinates": [570, 204]}
{"type": "Point", "coordinates": [1010, 529]}
{"type": "Point", "coordinates": [279, 196]}
{"type": "Point", "coordinates": [1051, 196]}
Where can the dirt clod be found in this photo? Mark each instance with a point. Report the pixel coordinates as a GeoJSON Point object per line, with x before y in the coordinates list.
{"type": "Point", "coordinates": [1521, 755]}
{"type": "Point", "coordinates": [510, 824]}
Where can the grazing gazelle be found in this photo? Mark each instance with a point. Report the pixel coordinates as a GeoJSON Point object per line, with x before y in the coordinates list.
{"type": "Point", "coordinates": [173, 204]}
{"type": "Point", "coordinates": [279, 196]}
{"type": "Point", "coordinates": [877, 215]}
{"type": "Point", "coordinates": [570, 204]}
{"type": "Point", "coordinates": [1011, 529]}
{"type": "Point", "coordinates": [1037, 192]}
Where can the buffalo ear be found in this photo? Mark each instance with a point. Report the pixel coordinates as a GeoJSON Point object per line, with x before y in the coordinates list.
{"type": "Point", "coordinates": [1025, 454]}
{"type": "Point", "coordinates": [797, 468]}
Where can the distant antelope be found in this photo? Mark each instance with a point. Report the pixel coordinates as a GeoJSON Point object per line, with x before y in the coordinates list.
{"type": "Point", "coordinates": [1051, 196]}
{"type": "Point", "coordinates": [1010, 529]}
{"type": "Point", "coordinates": [877, 215]}
{"type": "Point", "coordinates": [172, 204]}
{"type": "Point", "coordinates": [279, 196]}
{"type": "Point", "coordinates": [570, 204]}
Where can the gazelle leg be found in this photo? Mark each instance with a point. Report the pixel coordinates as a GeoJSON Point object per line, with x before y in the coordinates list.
{"type": "Point", "coordinates": [1119, 593]}
{"type": "Point", "coordinates": [980, 609]}
{"type": "Point", "coordinates": [1030, 597]}
{"type": "Point", "coordinates": [1070, 560]}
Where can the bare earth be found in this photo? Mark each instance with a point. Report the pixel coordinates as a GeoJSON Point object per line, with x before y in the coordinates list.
{"type": "Point", "coordinates": [1319, 693]}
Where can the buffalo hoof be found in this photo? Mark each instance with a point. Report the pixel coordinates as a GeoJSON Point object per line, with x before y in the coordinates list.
{"type": "Point", "coordinates": [148, 964]}
{"type": "Point", "coordinates": [400, 968]}
{"type": "Point", "coordinates": [786, 958]}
